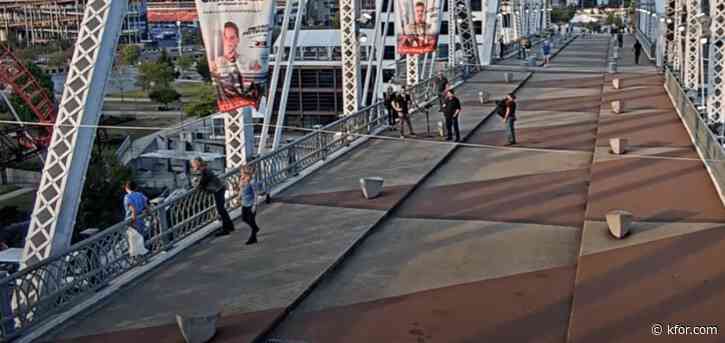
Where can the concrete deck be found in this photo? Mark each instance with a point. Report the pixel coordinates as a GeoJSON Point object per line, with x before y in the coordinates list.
{"type": "Point", "coordinates": [472, 242]}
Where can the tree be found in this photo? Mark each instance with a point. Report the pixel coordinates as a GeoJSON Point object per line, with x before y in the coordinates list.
{"type": "Point", "coordinates": [562, 14]}
{"type": "Point", "coordinates": [128, 55]}
{"type": "Point", "coordinates": [155, 75]}
{"type": "Point", "coordinates": [203, 103]}
{"type": "Point", "coordinates": [102, 199]}
{"type": "Point", "coordinates": [164, 95]}
{"type": "Point", "coordinates": [184, 62]}
{"type": "Point", "coordinates": [44, 80]}
{"type": "Point", "coordinates": [202, 67]}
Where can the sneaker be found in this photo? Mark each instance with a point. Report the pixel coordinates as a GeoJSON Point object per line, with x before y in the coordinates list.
{"type": "Point", "coordinates": [413, 135]}
{"type": "Point", "coordinates": [402, 137]}
{"type": "Point", "coordinates": [221, 233]}
{"type": "Point", "coordinates": [251, 240]}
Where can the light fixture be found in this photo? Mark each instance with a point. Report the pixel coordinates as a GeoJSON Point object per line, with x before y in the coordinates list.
{"type": "Point", "coordinates": [703, 40]}
{"type": "Point", "coordinates": [363, 38]}
{"type": "Point", "coordinates": [681, 28]}
{"type": "Point", "coordinates": [669, 20]}
{"type": "Point", "coordinates": [654, 15]}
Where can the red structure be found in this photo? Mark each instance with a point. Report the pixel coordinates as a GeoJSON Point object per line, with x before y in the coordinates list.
{"type": "Point", "coordinates": [14, 74]}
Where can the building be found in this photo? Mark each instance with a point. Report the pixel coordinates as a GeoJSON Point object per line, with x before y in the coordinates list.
{"type": "Point", "coordinates": [40, 22]}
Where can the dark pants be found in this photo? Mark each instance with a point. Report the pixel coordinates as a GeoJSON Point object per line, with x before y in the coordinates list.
{"type": "Point", "coordinates": [391, 115]}
{"type": "Point", "coordinates": [510, 131]}
{"type": "Point", "coordinates": [227, 224]}
{"type": "Point", "coordinates": [452, 124]}
{"type": "Point", "coordinates": [636, 58]}
{"type": "Point", "coordinates": [405, 119]}
{"type": "Point", "coordinates": [248, 216]}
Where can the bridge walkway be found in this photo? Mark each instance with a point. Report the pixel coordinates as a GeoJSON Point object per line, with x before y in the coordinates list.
{"type": "Point", "coordinates": [474, 242]}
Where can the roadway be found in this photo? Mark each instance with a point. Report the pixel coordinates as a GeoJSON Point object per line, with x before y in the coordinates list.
{"type": "Point", "coordinates": [470, 242]}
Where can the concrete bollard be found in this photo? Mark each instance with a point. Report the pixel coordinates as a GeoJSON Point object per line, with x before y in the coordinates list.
{"type": "Point", "coordinates": [618, 145]}
{"type": "Point", "coordinates": [198, 327]}
{"type": "Point", "coordinates": [371, 186]}
{"type": "Point", "coordinates": [617, 83]}
{"type": "Point", "coordinates": [612, 68]}
{"type": "Point", "coordinates": [617, 106]}
{"type": "Point", "coordinates": [619, 223]}
{"type": "Point", "coordinates": [508, 77]}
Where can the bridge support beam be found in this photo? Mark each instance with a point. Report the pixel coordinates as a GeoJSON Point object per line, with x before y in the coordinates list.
{"type": "Point", "coordinates": [60, 188]}
{"type": "Point", "coordinates": [350, 56]}
{"type": "Point", "coordinates": [716, 84]}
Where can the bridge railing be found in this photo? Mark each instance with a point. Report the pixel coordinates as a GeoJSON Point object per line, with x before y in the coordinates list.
{"type": "Point", "coordinates": [38, 292]}
{"type": "Point", "coordinates": [707, 144]}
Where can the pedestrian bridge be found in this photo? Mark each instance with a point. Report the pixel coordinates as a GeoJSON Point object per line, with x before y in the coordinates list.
{"type": "Point", "coordinates": [469, 242]}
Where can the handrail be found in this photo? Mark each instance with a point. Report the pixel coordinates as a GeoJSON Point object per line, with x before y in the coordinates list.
{"type": "Point", "coordinates": [38, 292]}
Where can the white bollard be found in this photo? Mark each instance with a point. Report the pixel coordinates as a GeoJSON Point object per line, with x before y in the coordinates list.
{"type": "Point", "coordinates": [619, 223]}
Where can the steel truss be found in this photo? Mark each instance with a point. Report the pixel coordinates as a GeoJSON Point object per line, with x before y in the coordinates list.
{"type": "Point", "coordinates": [60, 188]}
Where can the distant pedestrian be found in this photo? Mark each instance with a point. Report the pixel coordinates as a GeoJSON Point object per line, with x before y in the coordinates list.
{"type": "Point", "coordinates": [501, 48]}
{"type": "Point", "coordinates": [206, 181]}
{"type": "Point", "coordinates": [509, 118]}
{"type": "Point", "coordinates": [546, 49]}
{"type": "Point", "coordinates": [388, 98]}
{"type": "Point", "coordinates": [441, 84]}
{"type": "Point", "coordinates": [620, 39]}
{"type": "Point", "coordinates": [452, 112]}
{"type": "Point", "coordinates": [637, 51]}
{"type": "Point", "coordinates": [134, 204]}
{"type": "Point", "coordinates": [249, 203]}
{"type": "Point", "coordinates": [401, 104]}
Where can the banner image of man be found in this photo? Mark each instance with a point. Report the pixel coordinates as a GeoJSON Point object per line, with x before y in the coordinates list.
{"type": "Point", "coordinates": [234, 90]}
{"type": "Point", "coordinates": [236, 36]}
{"type": "Point", "coordinates": [420, 23]}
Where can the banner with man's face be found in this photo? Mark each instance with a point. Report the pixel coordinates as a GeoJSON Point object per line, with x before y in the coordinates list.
{"type": "Point", "coordinates": [418, 25]}
{"type": "Point", "coordinates": [237, 35]}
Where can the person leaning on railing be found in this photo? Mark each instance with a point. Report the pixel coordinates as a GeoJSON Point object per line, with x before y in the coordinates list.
{"type": "Point", "coordinates": [204, 180]}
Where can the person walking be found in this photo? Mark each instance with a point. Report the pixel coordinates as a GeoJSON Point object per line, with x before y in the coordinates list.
{"type": "Point", "coordinates": [401, 105]}
{"type": "Point", "coordinates": [620, 39]}
{"type": "Point", "coordinates": [546, 49]}
{"type": "Point", "coordinates": [452, 111]}
{"type": "Point", "coordinates": [388, 100]}
{"type": "Point", "coordinates": [501, 48]}
{"type": "Point", "coordinates": [134, 204]}
{"type": "Point", "coordinates": [637, 51]}
{"type": "Point", "coordinates": [509, 118]}
{"type": "Point", "coordinates": [249, 203]}
{"type": "Point", "coordinates": [206, 181]}
{"type": "Point", "coordinates": [441, 83]}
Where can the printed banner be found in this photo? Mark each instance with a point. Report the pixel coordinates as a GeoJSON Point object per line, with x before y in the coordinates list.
{"type": "Point", "coordinates": [237, 35]}
{"type": "Point", "coordinates": [418, 25]}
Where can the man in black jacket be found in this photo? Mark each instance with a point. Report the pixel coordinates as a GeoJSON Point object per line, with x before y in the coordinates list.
{"type": "Point", "coordinates": [206, 181]}
{"type": "Point", "coordinates": [451, 111]}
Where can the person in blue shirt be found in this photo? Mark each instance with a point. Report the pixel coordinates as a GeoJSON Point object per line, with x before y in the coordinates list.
{"type": "Point", "coordinates": [134, 203]}
{"type": "Point", "coordinates": [546, 48]}
{"type": "Point", "coordinates": [249, 202]}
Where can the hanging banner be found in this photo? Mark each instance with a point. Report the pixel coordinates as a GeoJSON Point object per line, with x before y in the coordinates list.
{"type": "Point", "coordinates": [418, 25]}
{"type": "Point", "coordinates": [237, 35]}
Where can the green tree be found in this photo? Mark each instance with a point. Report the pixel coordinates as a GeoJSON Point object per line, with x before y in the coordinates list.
{"type": "Point", "coordinates": [562, 14]}
{"type": "Point", "coordinates": [185, 62]}
{"type": "Point", "coordinates": [102, 199]}
{"type": "Point", "coordinates": [203, 103]}
{"type": "Point", "coordinates": [164, 95]}
{"type": "Point", "coordinates": [154, 75]}
{"type": "Point", "coordinates": [129, 55]}
{"type": "Point", "coordinates": [202, 67]}
{"type": "Point", "coordinates": [45, 82]}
